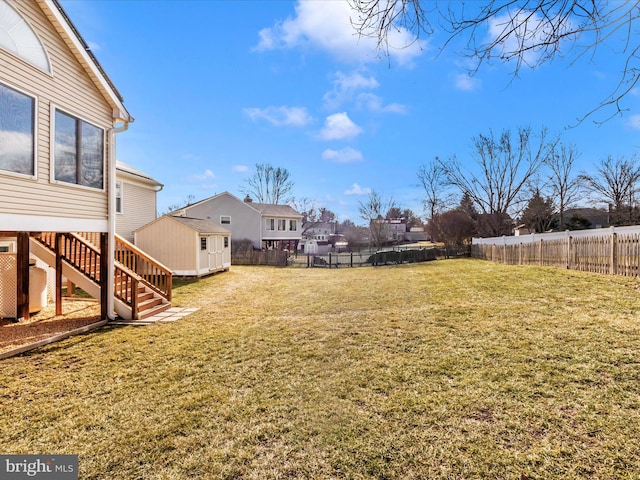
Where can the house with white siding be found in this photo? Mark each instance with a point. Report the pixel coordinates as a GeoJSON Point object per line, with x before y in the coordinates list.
{"type": "Point", "coordinates": [136, 199]}
{"type": "Point", "coordinates": [59, 118]}
{"type": "Point", "coordinates": [267, 226]}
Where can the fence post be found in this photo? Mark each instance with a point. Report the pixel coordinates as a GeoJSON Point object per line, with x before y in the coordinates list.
{"type": "Point", "coordinates": [614, 254]}
{"type": "Point", "coordinates": [351, 259]}
{"type": "Point", "coordinates": [540, 252]}
{"type": "Point", "coordinates": [329, 260]}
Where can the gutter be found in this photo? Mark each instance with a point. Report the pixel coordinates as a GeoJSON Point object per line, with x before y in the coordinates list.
{"type": "Point", "coordinates": [111, 231]}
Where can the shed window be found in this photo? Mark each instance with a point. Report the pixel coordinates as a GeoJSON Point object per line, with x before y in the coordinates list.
{"type": "Point", "coordinates": [17, 120]}
{"type": "Point", "coordinates": [203, 243]}
{"type": "Point", "coordinates": [226, 242]}
{"type": "Point", "coordinates": [79, 151]}
{"type": "Point", "coordinates": [225, 220]}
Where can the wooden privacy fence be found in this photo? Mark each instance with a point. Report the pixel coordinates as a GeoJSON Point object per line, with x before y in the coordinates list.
{"type": "Point", "coordinates": [615, 254]}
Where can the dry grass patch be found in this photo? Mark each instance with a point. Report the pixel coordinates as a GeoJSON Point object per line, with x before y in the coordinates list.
{"type": "Point", "coordinates": [450, 369]}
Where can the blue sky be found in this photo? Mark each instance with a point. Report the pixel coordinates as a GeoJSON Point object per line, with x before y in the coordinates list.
{"type": "Point", "coordinates": [217, 86]}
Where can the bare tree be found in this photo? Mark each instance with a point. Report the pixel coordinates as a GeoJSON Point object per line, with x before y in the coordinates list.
{"type": "Point", "coordinates": [269, 184]}
{"type": "Point", "coordinates": [372, 211]}
{"type": "Point", "coordinates": [433, 180]}
{"type": "Point", "coordinates": [527, 32]}
{"type": "Point", "coordinates": [505, 164]}
{"type": "Point", "coordinates": [616, 183]}
{"type": "Point", "coordinates": [564, 186]}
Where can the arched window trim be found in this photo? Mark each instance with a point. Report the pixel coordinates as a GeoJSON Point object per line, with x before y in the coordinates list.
{"type": "Point", "coordinates": [34, 39]}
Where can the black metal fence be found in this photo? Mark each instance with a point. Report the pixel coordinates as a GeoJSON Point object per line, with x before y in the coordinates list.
{"type": "Point", "coordinates": [394, 256]}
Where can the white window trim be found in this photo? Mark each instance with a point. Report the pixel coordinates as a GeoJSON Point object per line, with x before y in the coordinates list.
{"type": "Point", "coordinates": [121, 183]}
{"type": "Point", "coordinates": [49, 68]}
{"type": "Point", "coordinates": [52, 151]}
{"type": "Point", "coordinates": [225, 216]}
{"type": "Point", "coordinates": [270, 224]}
{"type": "Point", "coordinates": [35, 136]}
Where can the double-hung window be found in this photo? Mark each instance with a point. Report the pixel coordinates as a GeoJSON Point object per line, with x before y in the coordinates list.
{"type": "Point", "coordinates": [78, 151]}
{"type": "Point", "coordinates": [293, 225]}
{"type": "Point", "coordinates": [17, 131]}
{"type": "Point", "coordinates": [225, 219]}
{"type": "Point", "coordinates": [270, 224]}
{"type": "Point", "coordinates": [118, 197]}
{"type": "Point", "coordinates": [282, 224]}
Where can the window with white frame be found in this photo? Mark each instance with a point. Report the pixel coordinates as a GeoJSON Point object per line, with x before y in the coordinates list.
{"type": "Point", "coordinates": [226, 242]}
{"type": "Point", "coordinates": [225, 220]}
{"type": "Point", "coordinates": [270, 224]}
{"type": "Point", "coordinates": [203, 243]}
{"type": "Point", "coordinates": [17, 131]}
{"type": "Point", "coordinates": [118, 197]}
{"type": "Point", "coordinates": [293, 225]}
{"type": "Point", "coordinates": [282, 224]}
{"type": "Point", "coordinates": [78, 151]}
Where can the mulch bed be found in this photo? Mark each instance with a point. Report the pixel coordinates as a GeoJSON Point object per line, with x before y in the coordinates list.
{"type": "Point", "coordinates": [45, 324]}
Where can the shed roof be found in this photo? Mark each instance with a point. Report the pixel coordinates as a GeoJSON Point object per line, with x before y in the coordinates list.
{"type": "Point", "coordinates": [200, 225]}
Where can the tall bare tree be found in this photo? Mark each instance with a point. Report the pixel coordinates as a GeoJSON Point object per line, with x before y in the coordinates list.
{"type": "Point", "coordinates": [433, 179]}
{"type": "Point", "coordinates": [564, 185]}
{"type": "Point", "coordinates": [504, 167]}
{"type": "Point", "coordinates": [616, 183]}
{"type": "Point", "coordinates": [269, 184]}
{"type": "Point", "coordinates": [527, 32]}
{"type": "Point", "coordinates": [372, 210]}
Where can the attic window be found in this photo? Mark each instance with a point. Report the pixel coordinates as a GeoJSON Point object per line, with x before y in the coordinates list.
{"type": "Point", "coordinates": [225, 220]}
{"type": "Point", "coordinates": [17, 37]}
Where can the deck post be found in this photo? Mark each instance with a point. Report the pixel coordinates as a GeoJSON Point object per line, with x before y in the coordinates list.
{"type": "Point", "coordinates": [22, 280]}
{"type": "Point", "coordinates": [58, 249]}
{"type": "Point", "coordinates": [104, 275]}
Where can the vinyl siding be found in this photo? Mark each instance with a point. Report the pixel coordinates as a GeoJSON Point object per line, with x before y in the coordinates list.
{"type": "Point", "coordinates": [70, 89]}
{"type": "Point", "coordinates": [245, 221]}
{"type": "Point", "coordinates": [171, 243]}
{"type": "Point", "coordinates": [138, 209]}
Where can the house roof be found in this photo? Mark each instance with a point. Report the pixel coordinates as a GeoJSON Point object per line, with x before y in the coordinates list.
{"type": "Point", "coordinates": [200, 225]}
{"type": "Point", "coordinates": [262, 208]}
{"type": "Point", "coordinates": [65, 27]}
{"type": "Point", "coordinates": [275, 210]}
{"type": "Point", "coordinates": [128, 169]}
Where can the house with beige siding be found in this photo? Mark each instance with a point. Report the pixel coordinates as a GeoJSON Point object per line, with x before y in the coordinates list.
{"type": "Point", "coordinates": [136, 199]}
{"type": "Point", "coordinates": [59, 118]}
{"type": "Point", "coordinates": [188, 246]}
{"type": "Point", "coordinates": [267, 226]}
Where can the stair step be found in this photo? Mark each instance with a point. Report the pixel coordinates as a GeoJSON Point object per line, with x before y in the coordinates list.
{"type": "Point", "coordinates": [154, 310]}
{"type": "Point", "coordinates": [147, 304]}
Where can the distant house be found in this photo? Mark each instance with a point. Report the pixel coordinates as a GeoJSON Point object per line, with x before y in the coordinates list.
{"type": "Point", "coordinates": [136, 202]}
{"type": "Point", "coordinates": [317, 237]}
{"type": "Point", "coordinates": [188, 246]}
{"type": "Point", "coordinates": [266, 226]}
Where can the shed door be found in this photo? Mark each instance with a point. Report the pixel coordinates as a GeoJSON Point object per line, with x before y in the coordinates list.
{"type": "Point", "coordinates": [215, 258]}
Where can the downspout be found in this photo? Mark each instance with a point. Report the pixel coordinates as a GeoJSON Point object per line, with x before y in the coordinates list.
{"type": "Point", "coordinates": [111, 188]}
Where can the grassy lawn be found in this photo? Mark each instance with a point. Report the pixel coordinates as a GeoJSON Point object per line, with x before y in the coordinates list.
{"type": "Point", "coordinates": [456, 369]}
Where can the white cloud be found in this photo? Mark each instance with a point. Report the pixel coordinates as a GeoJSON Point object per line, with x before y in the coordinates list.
{"type": "Point", "coordinates": [466, 82]}
{"type": "Point", "coordinates": [357, 190]}
{"type": "Point", "coordinates": [374, 103]}
{"type": "Point", "coordinates": [634, 122]}
{"type": "Point", "coordinates": [522, 31]}
{"type": "Point", "coordinates": [339, 126]}
{"type": "Point", "coordinates": [240, 168]}
{"type": "Point", "coordinates": [346, 86]}
{"type": "Point", "coordinates": [345, 155]}
{"type": "Point", "coordinates": [206, 175]}
{"type": "Point", "coordinates": [281, 116]}
{"type": "Point", "coordinates": [328, 26]}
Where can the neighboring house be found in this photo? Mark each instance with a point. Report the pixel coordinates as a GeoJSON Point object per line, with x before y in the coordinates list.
{"type": "Point", "coordinates": [188, 246]}
{"type": "Point", "coordinates": [317, 237]}
{"type": "Point", "coordinates": [266, 226]}
{"type": "Point", "coordinates": [136, 203]}
{"type": "Point", "coordinates": [58, 122]}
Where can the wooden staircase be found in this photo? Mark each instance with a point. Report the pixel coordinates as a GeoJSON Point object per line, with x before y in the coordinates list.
{"type": "Point", "coordinates": [142, 286]}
